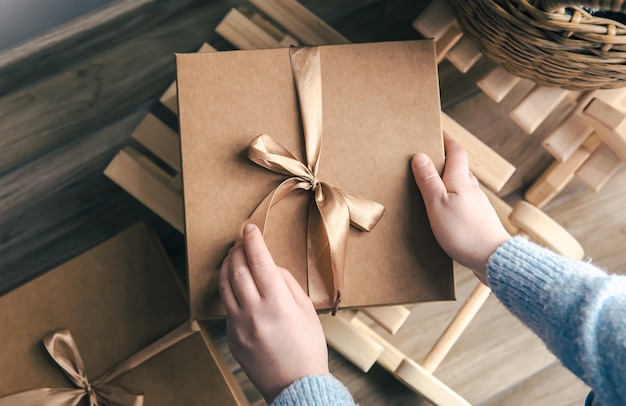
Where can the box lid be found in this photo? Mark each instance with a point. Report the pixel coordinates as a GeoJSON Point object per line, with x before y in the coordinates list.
{"type": "Point", "coordinates": [380, 106]}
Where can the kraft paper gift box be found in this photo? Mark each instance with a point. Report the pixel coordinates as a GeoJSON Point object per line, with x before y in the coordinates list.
{"type": "Point", "coordinates": [374, 106]}
{"type": "Point", "coordinates": [115, 300]}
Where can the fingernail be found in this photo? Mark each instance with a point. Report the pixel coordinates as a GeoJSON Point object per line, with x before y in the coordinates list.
{"type": "Point", "coordinates": [421, 160]}
{"type": "Point", "coordinates": [248, 228]}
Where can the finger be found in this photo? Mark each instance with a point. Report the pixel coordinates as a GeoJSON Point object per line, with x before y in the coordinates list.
{"type": "Point", "coordinates": [264, 271]}
{"type": "Point", "coordinates": [427, 178]}
{"type": "Point", "coordinates": [457, 162]}
{"type": "Point", "coordinates": [226, 290]}
{"type": "Point", "coordinates": [296, 290]}
{"type": "Point", "coordinates": [474, 179]}
{"type": "Point", "coordinates": [241, 279]}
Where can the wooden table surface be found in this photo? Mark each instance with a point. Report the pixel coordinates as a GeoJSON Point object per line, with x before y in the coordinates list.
{"type": "Point", "coordinates": [70, 99]}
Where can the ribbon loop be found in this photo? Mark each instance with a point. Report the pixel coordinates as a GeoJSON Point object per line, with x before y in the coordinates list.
{"type": "Point", "coordinates": [332, 210]}
{"type": "Point", "coordinates": [64, 351]}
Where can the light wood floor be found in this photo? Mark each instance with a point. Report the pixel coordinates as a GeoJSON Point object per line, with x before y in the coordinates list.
{"type": "Point", "coordinates": [70, 99]}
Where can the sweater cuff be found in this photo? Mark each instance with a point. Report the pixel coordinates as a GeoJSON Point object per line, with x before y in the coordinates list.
{"type": "Point", "coordinates": [531, 281]}
{"type": "Point", "coordinates": [315, 390]}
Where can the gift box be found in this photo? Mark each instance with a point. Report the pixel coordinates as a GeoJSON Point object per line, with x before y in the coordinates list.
{"type": "Point", "coordinates": [297, 139]}
{"type": "Point", "coordinates": [117, 302]}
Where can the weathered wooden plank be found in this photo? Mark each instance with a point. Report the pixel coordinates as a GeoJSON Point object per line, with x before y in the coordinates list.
{"type": "Point", "coordinates": [82, 38]}
{"type": "Point", "coordinates": [60, 205]}
{"type": "Point", "coordinates": [47, 114]}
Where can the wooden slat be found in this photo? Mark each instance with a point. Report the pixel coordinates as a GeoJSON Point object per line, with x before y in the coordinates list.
{"type": "Point", "coordinates": [559, 174]}
{"type": "Point", "coordinates": [148, 185]}
{"type": "Point", "coordinates": [240, 31]}
{"type": "Point", "coordinates": [346, 340]}
{"type": "Point", "coordinates": [610, 123]}
{"type": "Point", "coordinates": [435, 20]}
{"type": "Point", "coordinates": [488, 166]}
{"type": "Point", "coordinates": [300, 22]}
{"type": "Point", "coordinates": [390, 318]}
{"type": "Point", "coordinates": [169, 98]}
{"type": "Point", "coordinates": [498, 83]}
{"type": "Point", "coordinates": [537, 106]}
{"type": "Point", "coordinates": [572, 131]}
{"type": "Point", "coordinates": [424, 383]}
{"type": "Point", "coordinates": [464, 54]}
{"type": "Point", "coordinates": [599, 168]}
{"type": "Point", "coordinates": [445, 43]}
{"type": "Point", "coordinates": [285, 39]}
{"type": "Point", "coordinates": [160, 139]}
{"type": "Point", "coordinates": [391, 357]}
{"type": "Point", "coordinates": [567, 137]}
{"type": "Point", "coordinates": [545, 231]}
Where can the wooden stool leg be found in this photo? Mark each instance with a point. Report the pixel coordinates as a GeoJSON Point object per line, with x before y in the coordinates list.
{"type": "Point", "coordinates": [456, 327]}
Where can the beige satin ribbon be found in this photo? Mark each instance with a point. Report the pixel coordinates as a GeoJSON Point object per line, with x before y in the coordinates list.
{"type": "Point", "coordinates": [333, 210]}
{"type": "Point", "coordinates": [63, 350]}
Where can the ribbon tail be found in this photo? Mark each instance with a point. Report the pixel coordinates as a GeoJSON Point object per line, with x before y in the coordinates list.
{"type": "Point", "coordinates": [45, 396]}
{"type": "Point", "coordinates": [260, 215]}
{"type": "Point", "coordinates": [364, 213]}
{"type": "Point", "coordinates": [178, 334]}
{"type": "Point", "coordinates": [327, 245]}
{"type": "Point", "coordinates": [116, 396]}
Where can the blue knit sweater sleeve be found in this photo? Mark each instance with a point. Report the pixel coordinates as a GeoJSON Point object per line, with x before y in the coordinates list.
{"type": "Point", "coordinates": [577, 309]}
{"type": "Point", "coordinates": [315, 390]}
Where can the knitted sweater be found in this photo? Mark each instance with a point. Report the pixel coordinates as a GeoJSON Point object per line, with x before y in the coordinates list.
{"type": "Point", "coordinates": [577, 309]}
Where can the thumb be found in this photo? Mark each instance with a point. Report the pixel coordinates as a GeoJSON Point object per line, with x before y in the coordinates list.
{"type": "Point", "coordinates": [427, 178]}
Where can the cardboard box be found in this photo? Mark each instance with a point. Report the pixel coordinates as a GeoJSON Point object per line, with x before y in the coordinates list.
{"type": "Point", "coordinates": [380, 106]}
{"type": "Point", "coordinates": [115, 299]}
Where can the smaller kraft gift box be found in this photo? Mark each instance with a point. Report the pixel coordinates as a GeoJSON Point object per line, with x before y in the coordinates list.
{"type": "Point", "coordinates": [313, 145]}
{"type": "Point", "coordinates": [110, 327]}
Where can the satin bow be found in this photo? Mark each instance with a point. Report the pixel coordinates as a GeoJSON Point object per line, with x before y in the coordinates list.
{"type": "Point", "coordinates": [333, 210]}
{"type": "Point", "coordinates": [63, 350]}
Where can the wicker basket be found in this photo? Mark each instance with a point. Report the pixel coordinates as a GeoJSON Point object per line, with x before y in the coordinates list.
{"type": "Point", "coordinates": [551, 42]}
